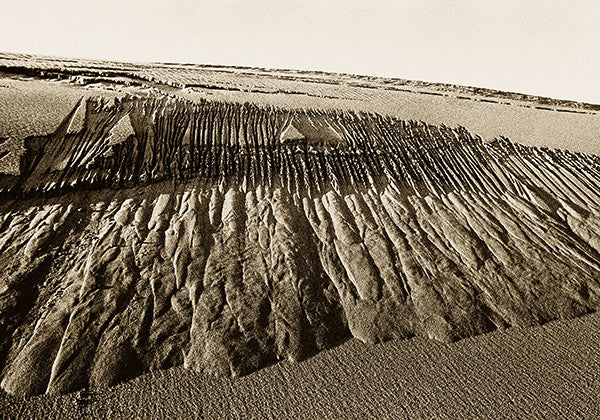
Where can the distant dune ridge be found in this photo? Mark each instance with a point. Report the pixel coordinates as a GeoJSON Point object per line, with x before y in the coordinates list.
{"type": "Point", "coordinates": [145, 233]}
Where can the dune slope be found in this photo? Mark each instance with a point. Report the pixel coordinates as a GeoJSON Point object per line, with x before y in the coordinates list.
{"type": "Point", "coordinates": [149, 233]}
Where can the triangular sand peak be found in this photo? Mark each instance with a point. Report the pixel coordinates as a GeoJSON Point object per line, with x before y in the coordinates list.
{"type": "Point", "coordinates": [291, 133]}
{"type": "Point", "coordinates": [121, 131]}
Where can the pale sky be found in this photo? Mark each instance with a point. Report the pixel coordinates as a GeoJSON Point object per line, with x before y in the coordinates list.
{"type": "Point", "coordinates": [542, 47]}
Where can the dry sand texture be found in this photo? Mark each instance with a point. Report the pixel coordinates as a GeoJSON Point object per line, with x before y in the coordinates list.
{"type": "Point", "coordinates": [147, 232]}
{"type": "Point", "coordinates": [534, 373]}
{"type": "Point", "coordinates": [525, 119]}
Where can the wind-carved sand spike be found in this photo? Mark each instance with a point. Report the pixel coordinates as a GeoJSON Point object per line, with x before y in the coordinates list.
{"type": "Point", "coordinates": [225, 237]}
{"type": "Point", "coordinates": [4, 149]}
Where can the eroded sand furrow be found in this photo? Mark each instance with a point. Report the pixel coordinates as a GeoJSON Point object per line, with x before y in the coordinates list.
{"type": "Point", "coordinates": [155, 233]}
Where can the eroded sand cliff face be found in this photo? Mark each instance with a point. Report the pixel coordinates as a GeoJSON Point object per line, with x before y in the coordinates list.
{"type": "Point", "coordinates": [145, 234]}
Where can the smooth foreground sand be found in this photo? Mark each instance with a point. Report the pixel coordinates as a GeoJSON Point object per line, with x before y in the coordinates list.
{"type": "Point", "coordinates": [540, 372]}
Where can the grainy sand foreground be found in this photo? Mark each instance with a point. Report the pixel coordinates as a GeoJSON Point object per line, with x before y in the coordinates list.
{"type": "Point", "coordinates": [540, 372]}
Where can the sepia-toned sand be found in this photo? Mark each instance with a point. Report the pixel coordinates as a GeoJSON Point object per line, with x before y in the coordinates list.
{"type": "Point", "coordinates": [354, 211]}
{"type": "Point", "coordinates": [540, 372]}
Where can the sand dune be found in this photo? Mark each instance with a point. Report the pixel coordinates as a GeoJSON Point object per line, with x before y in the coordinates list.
{"type": "Point", "coordinates": [146, 231]}
{"type": "Point", "coordinates": [206, 238]}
